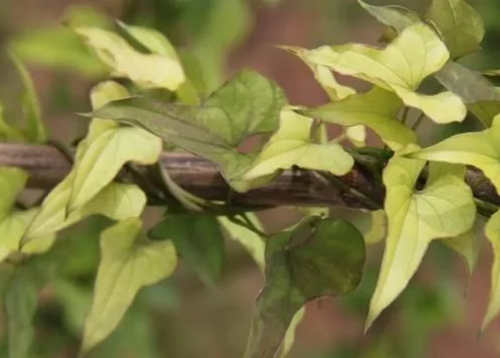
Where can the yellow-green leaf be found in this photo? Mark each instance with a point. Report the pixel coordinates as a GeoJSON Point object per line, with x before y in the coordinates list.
{"type": "Point", "coordinates": [492, 231]}
{"type": "Point", "coordinates": [147, 70]}
{"type": "Point", "coordinates": [479, 149]}
{"type": "Point", "coordinates": [323, 75]}
{"type": "Point", "coordinates": [356, 135]}
{"type": "Point", "coordinates": [117, 201]}
{"type": "Point", "coordinates": [12, 182]}
{"type": "Point", "coordinates": [376, 109]}
{"type": "Point", "coordinates": [106, 155]}
{"type": "Point", "coordinates": [127, 265]}
{"type": "Point", "coordinates": [401, 67]}
{"type": "Point", "coordinates": [460, 26]}
{"type": "Point", "coordinates": [444, 208]}
{"type": "Point", "coordinates": [467, 246]}
{"type": "Point", "coordinates": [291, 145]}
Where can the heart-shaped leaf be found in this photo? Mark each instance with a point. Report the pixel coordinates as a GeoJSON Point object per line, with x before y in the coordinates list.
{"type": "Point", "coordinates": [248, 104]}
{"type": "Point", "coordinates": [127, 265]}
{"type": "Point", "coordinates": [460, 26]}
{"type": "Point", "coordinates": [317, 258]}
{"type": "Point", "coordinates": [401, 67]}
{"type": "Point", "coordinates": [479, 149]}
{"type": "Point", "coordinates": [444, 208]}
{"type": "Point", "coordinates": [376, 109]}
{"type": "Point", "coordinates": [291, 145]}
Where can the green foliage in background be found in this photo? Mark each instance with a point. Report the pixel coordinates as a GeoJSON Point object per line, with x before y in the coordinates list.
{"type": "Point", "coordinates": [150, 95]}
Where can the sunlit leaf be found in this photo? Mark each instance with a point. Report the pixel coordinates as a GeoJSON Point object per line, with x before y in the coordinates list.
{"type": "Point", "coordinates": [479, 149]}
{"type": "Point", "coordinates": [127, 265]}
{"type": "Point", "coordinates": [467, 246]}
{"type": "Point", "coordinates": [401, 67]}
{"type": "Point", "coordinates": [291, 145]}
{"type": "Point", "coordinates": [444, 208]}
{"type": "Point", "coordinates": [107, 148]}
{"type": "Point", "coordinates": [198, 240]}
{"type": "Point", "coordinates": [12, 182]}
{"type": "Point", "coordinates": [116, 201]}
{"type": "Point", "coordinates": [492, 231]}
{"type": "Point", "coordinates": [147, 70]}
{"type": "Point", "coordinates": [248, 104]}
{"type": "Point", "coordinates": [480, 96]}
{"type": "Point", "coordinates": [317, 258]}
{"type": "Point", "coordinates": [105, 156]}
{"type": "Point", "coordinates": [356, 135]}
{"type": "Point", "coordinates": [376, 109]}
{"type": "Point", "coordinates": [460, 26]}
{"type": "Point", "coordinates": [323, 75]}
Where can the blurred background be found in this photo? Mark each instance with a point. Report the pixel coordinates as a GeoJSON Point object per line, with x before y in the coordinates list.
{"type": "Point", "coordinates": [439, 315]}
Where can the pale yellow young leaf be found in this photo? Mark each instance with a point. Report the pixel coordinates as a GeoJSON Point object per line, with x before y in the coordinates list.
{"type": "Point", "coordinates": [126, 266]}
{"type": "Point", "coordinates": [401, 67]}
{"type": "Point", "coordinates": [147, 70]}
{"type": "Point", "coordinates": [444, 208]}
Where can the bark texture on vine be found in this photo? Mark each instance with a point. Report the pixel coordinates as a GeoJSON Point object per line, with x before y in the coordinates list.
{"type": "Point", "coordinates": [47, 166]}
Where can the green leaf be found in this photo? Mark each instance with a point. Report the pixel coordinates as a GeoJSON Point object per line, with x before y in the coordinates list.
{"type": "Point", "coordinates": [116, 201]}
{"type": "Point", "coordinates": [12, 182]}
{"type": "Point", "coordinates": [198, 240]}
{"type": "Point", "coordinates": [479, 149]}
{"type": "Point", "coordinates": [107, 148]}
{"type": "Point", "coordinates": [323, 75]}
{"type": "Point", "coordinates": [376, 109]}
{"type": "Point", "coordinates": [35, 131]}
{"type": "Point", "coordinates": [397, 17]}
{"type": "Point", "coordinates": [127, 265]}
{"type": "Point", "coordinates": [255, 246]}
{"type": "Point", "coordinates": [248, 104]}
{"type": "Point", "coordinates": [75, 300]}
{"type": "Point", "coordinates": [466, 246]}
{"type": "Point", "coordinates": [460, 26]}
{"type": "Point", "coordinates": [20, 303]}
{"type": "Point", "coordinates": [444, 208]}
{"type": "Point", "coordinates": [291, 146]}
{"type": "Point", "coordinates": [492, 231]}
{"type": "Point", "coordinates": [147, 70]}
{"type": "Point", "coordinates": [105, 156]}
{"type": "Point", "coordinates": [317, 258]}
{"type": "Point", "coordinates": [57, 47]}
{"type": "Point", "coordinates": [480, 96]}
{"type": "Point", "coordinates": [401, 67]}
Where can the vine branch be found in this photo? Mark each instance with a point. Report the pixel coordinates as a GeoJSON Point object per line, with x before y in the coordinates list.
{"type": "Point", "coordinates": [47, 166]}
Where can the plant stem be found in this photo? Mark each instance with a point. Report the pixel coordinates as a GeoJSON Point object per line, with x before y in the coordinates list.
{"type": "Point", "coordinates": [415, 125]}
{"type": "Point", "coordinates": [404, 117]}
{"type": "Point", "coordinates": [246, 223]}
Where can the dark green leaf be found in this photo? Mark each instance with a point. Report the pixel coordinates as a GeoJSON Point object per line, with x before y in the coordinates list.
{"type": "Point", "coordinates": [460, 26]}
{"type": "Point", "coordinates": [397, 17]}
{"type": "Point", "coordinates": [480, 96]}
{"type": "Point", "coordinates": [317, 258]}
{"type": "Point", "coordinates": [199, 241]}
{"type": "Point", "coordinates": [248, 104]}
{"type": "Point", "coordinates": [20, 303]}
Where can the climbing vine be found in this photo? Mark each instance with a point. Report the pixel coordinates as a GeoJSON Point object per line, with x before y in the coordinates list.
{"type": "Point", "coordinates": [151, 99]}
